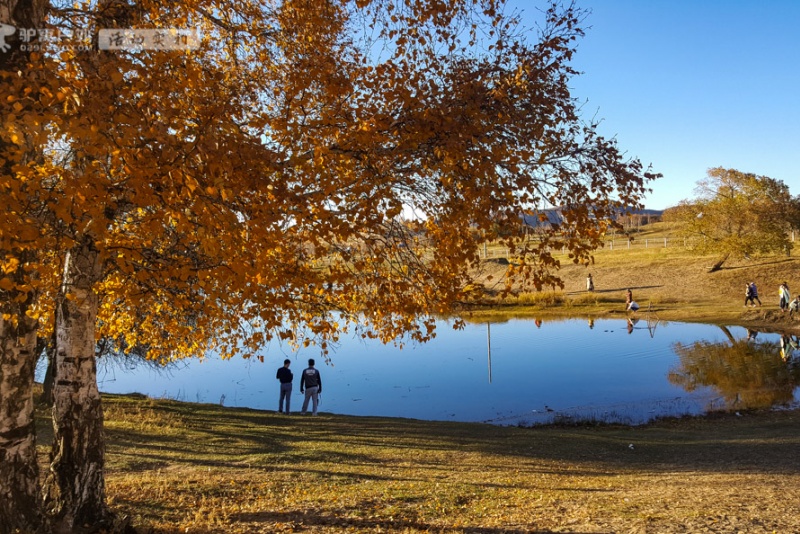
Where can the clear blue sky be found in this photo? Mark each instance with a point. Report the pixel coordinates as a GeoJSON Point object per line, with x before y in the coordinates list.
{"type": "Point", "coordinates": [688, 85]}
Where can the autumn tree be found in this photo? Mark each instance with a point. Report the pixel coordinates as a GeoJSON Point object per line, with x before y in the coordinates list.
{"type": "Point", "coordinates": [21, 138]}
{"type": "Point", "coordinates": [738, 215]}
{"type": "Point", "coordinates": [252, 188]}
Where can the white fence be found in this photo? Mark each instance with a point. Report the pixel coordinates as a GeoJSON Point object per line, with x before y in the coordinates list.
{"type": "Point", "coordinates": [611, 245]}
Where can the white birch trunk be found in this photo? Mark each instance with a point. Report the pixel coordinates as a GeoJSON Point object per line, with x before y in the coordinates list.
{"type": "Point", "coordinates": [75, 487]}
{"type": "Point", "coordinates": [19, 471]}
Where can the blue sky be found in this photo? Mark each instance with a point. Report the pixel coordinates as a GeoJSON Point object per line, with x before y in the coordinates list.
{"type": "Point", "coordinates": [687, 85]}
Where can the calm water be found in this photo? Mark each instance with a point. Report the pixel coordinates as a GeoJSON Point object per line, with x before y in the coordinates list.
{"type": "Point", "coordinates": [534, 374]}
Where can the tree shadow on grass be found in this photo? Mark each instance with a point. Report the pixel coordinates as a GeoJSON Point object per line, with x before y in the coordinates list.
{"type": "Point", "coordinates": [249, 452]}
{"type": "Point", "coordinates": [757, 442]}
{"type": "Point", "coordinates": [346, 520]}
{"type": "Point", "coordinates": [756, 264]}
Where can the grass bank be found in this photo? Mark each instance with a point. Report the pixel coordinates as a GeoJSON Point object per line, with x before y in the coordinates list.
{"type": "Point", "coordinates": [179, 467]}
{"type": "Point", "coordinates": [673, 283]}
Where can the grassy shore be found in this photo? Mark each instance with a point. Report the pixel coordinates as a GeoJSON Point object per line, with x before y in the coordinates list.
{"type": "Point", "coordinates": [180, 467]}
{"type": "Point", "coordinates": [673, 283]}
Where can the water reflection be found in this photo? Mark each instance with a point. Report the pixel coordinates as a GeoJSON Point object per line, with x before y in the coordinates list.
{"type": "Point", "coordinates": [489, 348]}
{"type": "Point", "coordinates": [507, 371]}
{"type": "Point", "coordinates": [746, 373]}
{"type": "Point", "coordinates": [789, 347]}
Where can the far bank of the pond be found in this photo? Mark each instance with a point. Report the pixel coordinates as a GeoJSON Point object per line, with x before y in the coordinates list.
{"type": "Point", "coordinates": [762, 319]}
{"type": "Point", "coordinates": [672, 285]}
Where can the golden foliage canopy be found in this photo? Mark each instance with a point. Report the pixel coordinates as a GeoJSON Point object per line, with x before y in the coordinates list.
{"type": "Point", "coordinates": [312, 163]}
{"type": "Point", "coordinates": [739, 214]}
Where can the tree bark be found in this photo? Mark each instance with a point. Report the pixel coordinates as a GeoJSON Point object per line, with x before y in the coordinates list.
{"type": "Point", "coordinates": [19, 471]}
{"type": "Point", "coordinates": [75, 486]}
{"type": "Point", "coordinates": [717, 266]}
{"type": "Point", "coordinates": [27, 14]}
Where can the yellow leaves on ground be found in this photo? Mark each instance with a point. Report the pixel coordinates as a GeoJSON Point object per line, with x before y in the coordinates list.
{"type": "Point", "coordinates": [9, 265]}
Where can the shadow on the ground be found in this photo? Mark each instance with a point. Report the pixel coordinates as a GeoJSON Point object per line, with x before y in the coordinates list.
{"type": "Point", "coordinates": [765, 441]}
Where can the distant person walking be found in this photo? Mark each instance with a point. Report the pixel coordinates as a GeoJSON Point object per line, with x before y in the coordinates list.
{"type": "Point", "coordinates": [785, 296]}
{"type": "Point", "coordinates": [628, 299]}
{"type": "Point", "coordinates": [589, 283]}
{"type": "Point", "coordinates": [794, 306]}
{"type": "Point", "coordinates": [285, 376]}
{"type": "Point", "coordinates": [754, 294]}
{"type": "Point", "coordinates": [311, 383]}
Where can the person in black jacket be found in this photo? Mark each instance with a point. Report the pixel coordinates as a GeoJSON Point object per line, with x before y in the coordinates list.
{"type": "Point", "coordinates": [311, 382]}
{"type": "Point", "coordinates": [285, 376]}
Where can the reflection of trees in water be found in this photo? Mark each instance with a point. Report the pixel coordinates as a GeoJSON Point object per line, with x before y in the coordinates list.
{"type": "Point", "coordinates": [746, 374]}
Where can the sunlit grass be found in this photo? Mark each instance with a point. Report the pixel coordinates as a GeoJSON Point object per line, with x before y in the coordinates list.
{"type": "Point", "coordinates": [672, 282]}
{"type": "Point", "coordinates": [544, 298]}
{"type": "Point", "coordinates": [176, 467]}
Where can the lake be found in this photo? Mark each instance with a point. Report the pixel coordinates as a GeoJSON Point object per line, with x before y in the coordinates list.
{"type": "Point", "coordinates": [531, 372]}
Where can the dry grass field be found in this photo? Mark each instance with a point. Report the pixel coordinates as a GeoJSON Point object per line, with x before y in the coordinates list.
{"type": "Point", "coordinates": [672, 282]}
{"type": "Point", "coordinates": [189, 468]}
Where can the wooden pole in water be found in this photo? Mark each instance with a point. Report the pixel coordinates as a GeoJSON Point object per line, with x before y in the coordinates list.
{"type": "Point", "coordinates": [489, 348]}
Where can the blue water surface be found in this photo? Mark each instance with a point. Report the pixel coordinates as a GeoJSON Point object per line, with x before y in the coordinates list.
{"type": "Point", "coordinates": [513, 372]}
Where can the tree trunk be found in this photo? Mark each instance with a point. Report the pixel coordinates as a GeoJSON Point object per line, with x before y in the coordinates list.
{"type": "Point", "coordinates": [75, 486]}
{"type": "Point", "coordinates": [19, 471]}
{"type": "Point", "coordinates": [717, 266]}
{"type": "Point", "coordinates": [27, 14]}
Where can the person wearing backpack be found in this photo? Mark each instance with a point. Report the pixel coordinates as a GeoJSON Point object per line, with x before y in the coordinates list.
{"type": "Point", "coordinates": [311, 384]}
